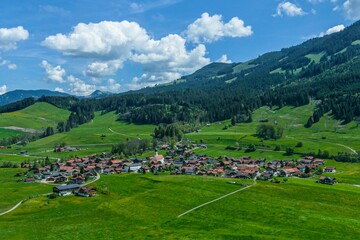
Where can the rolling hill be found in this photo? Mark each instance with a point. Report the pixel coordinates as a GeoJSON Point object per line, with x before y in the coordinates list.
{"type": "Point", "coordinates": [322, 73]}
{"type": "Point", "coordinates": [31, 119]}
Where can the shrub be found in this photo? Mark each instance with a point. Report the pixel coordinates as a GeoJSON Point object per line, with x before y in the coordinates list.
{"type": "Point", "coordinates": [251, 148]}
{"type": "Point", "coordinates": [269, 130]}
{"type": "Point", "coordinates": [289, 151]}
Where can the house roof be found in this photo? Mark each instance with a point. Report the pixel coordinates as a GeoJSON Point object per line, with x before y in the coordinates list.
{"type": "Point", "coordinates": [329, 168]}
{"type": "Point", "coordinates": [159, 157]}
{"type": "Point", "coordinates": [67, 187]}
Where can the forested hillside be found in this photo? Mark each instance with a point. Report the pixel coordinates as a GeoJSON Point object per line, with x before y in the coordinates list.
{"type": "Point", "coordinates": [323, 70]}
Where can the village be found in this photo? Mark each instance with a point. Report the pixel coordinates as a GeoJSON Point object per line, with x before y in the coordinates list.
{"type": "Point", "coordinates": [73, 175]}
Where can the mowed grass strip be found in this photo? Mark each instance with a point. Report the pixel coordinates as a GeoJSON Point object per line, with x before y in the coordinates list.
{"type": "Point", "coordinates": [146, 207]}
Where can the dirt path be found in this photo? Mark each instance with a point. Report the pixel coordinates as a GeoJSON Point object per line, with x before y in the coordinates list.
{"type": "Point", "coordinates": [121, 133]}
{"type": "Point", "coordinates": [12, 209]}
{"type": "Point", "coordinates": [118, 133]}
{"type": "Point", "coordinates": [226, 195]}
{"type": "Point", "coordinates": [27, 130]}
{"type": "Point", "coordinates": [96, 178]}
{"type": "Point", "coordinates": [347, 148]}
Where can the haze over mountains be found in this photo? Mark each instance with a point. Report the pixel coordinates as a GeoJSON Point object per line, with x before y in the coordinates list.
{"type": "Point", "coordinates": [18, 95]}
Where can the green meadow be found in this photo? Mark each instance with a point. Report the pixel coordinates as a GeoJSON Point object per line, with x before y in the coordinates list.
{"type": "Point", "coordinates": [35, 117]}
{"type": "Point", "coordinates": [103, 131]}
{"type": "Point", "coordinates": [146, 207]}
{"type": "Point", "coordinates": [94, 137]}
{"type": "Point", "coordinates": [328, 134]}
{"type": "Point", "coordinates": [12, 192]}
{"type": "Point", "coordinates": [4, 133]}
{"type": "Point", "coordinates": [136, 206]}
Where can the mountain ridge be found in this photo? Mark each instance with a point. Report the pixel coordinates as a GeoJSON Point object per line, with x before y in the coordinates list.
{"type": "Point", "coordinates": [326, 69]}
{"type": "Point", "coordinates": [20, 94]}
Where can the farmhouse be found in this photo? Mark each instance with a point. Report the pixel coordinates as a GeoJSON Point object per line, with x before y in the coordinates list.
{"type": "Point", "coordinates": [330, 169]}
{"type": "Point", "coordinates": [86, 191]}
{"type": "Point", "coordinates": [327, 180]}
{"type": "Point", "coordinates": [265, 176]}
{"type": "Point", "coordinates": [288, 172]}
{"type": "Point", "coordinates": [65, 189]}
{"type": "Point", "coordinates": [29, 180]}
{"type": "Point", "coordinates": [132, 167]}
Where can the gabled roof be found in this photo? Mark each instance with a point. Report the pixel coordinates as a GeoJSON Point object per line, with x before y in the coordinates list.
{"type": "Point", "coordinates": [67, 187]}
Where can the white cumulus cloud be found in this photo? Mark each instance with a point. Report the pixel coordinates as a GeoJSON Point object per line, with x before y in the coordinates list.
{"type": "Point", "coordinates": [3, 89]}
{"type": "Point", "coordinates": [112, 86]}
{"type": "Point", "coordinates": [109, 44]}
{"type": "Point", "coordinates": [315, 1]}
{"type": "Point", "coordinates": [53, 74]}
{"type": "Point", "coordinates": [223, 59]}
{"type": "Point", "coordinates": [352, 9]}
{"type": "Point", "coordinates": [212, 28]}
{"type": "Point", "coordinates": [59, 89]}
{"type": "Point", "coordinates": [334, 29]}
{"type": "Point", "coordinates": [10, 36]}
{"type": "Point", "coordinates": [10, 65]}
{"type": "Point", "coordinates": [106, 40]}
{"type": "Point", "coordinates": [79, 87]}
{"type": "Point", "coordinates": [99, 69]}
{"type": "Point", "coordinates": [288, 9]}
{"type": "Point", "coordinates": [166, 60]}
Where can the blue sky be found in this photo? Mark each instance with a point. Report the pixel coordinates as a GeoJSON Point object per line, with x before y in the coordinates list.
{"type": "Point", "coordinates": [118, 45]}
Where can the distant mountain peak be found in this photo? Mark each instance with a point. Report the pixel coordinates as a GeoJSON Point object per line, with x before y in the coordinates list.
{"type": "Point", "coordinates": [18, 95]}
{"type": "Point", "coordinates": [99, 94]}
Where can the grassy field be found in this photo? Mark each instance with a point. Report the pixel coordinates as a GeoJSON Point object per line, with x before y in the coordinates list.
{"type": "Point", "coordinates": [94, 137]}
{"type": "Point", "coordinates": [315, 57]}
{"type": "Point", "coordinates": [100, 134]}
{"type": "Point", "coordinates": [147, 206]}
{"type": "Point", "coordinates": [37, 116]}
{"type": "Point", "coordinates": [12, 192]}
{"type": "Point", "coordinates": [328, 134]}
{"type": "Point", "coordinates": [4, 133]}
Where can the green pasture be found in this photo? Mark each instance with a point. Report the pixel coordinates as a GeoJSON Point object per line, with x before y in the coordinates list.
{"type": "Point", "coordinates": [146, 207]}
{"type": "Point", "coordinates": [328, 134]}
{"type": "Point", "coordinates": [315, 57]}
{"type": "Point", "coordinates": [4, 133]}
{"type": "Point", "coordinates": [37, 116]}
{"type": "Point", "coordinates": [12, 192]}
{"type": "Point", "coordinates": [94, 137]}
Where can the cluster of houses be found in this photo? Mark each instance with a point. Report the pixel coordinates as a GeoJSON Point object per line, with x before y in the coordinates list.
{"type": "Point", "coordinates": [76, 171]}
{"type": "Point", "coordinates": [66, 149]}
